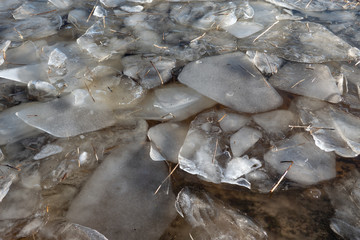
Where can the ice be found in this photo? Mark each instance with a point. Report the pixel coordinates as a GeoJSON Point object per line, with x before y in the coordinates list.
{"type": "Point", "coordinates": [238, 167]}
{"type": "Point", "coordinates": [318, 5]}
{"type": "Point", "coordinates": [111, 3]}
{"type": "Point", "coordinates": [78, 17]}
{"type": "Point", "coordinates": [27, 53]}
{"type": "Point", "coordinates": [323, 122]}
{"type": "Point", "coordinates": [62, 4]}
{"type": "Point", "coordinates": [310, 80]}
{"type": "Point", "coordinates": [205, 15]}
{"type": "Point", "coordinates": [5, 183]}
{"type": "Point", "coordinates": [232, 80]}
{"type": "Point", "coordinates": [70, 231]}
{"type": "Point", "coordinates": [243, 139]}
{"type": "Point", "coordinates": [167, 139]}
{"type": "Point", "coordinates": [47, 151]}
{"type": "Point", "coordinates": [25, 74]}
{"type": "Point", "coordinates": [57, 62]}
{"type": "Point", "coordinates": [211, 219]}
{"type": "Point", "coordinates": [130, 177]}
{"type": "Point", "coordinates": [100, 12]}
{"type": "Point", "coordinates": [141, 69]}
{"type": "Point", "coordinates": [110, 88]}
{"type": "Point", "coordinates": [276, 123]}
{"type": "Point", "coordinates": [12, 128]}
{"type": "Point", "coordinates": [1, 155]}
{"type": "Point", "coordinates": [232, 122]}
{"type": "Point", "coordinates": [4, 45]}
{"type": "Point", "coordinates": [201, 148]}
{"type": "Point", "coordinates": [29, 9]}
{"type": "Point", "coordinates": [345, 198]}
{"type": "Point", "coordinates": [101, 47]}
{"type": "Point", "coordinates": [32, 28]}
{"type": "Point", "coordinates": [266, 63]}
{"type": "Point", "coordinates": [172, 102]}
{"type": "Point", "coordinates": [132, 9]}
{"type": "Point", "coordinates": [42, 90]}
{"type": "Point", "coordinates": [68, 116]}
{"type": "Point", "coordinates": [205, 154]}
{"type": "Point", "coordinates": [310, 164]}
{"type": "Point", "coordinates": [301, 42]}
{"type": "Point", "coordinates": [243, 29]}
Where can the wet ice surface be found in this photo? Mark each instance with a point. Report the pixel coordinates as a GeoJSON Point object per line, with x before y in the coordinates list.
{"type": "Point", "coordinates": [247, 111]}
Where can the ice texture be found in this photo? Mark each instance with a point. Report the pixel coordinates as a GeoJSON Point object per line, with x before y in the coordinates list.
{"type": "Point", "coordinates": [211, 219]}
{"type": "Point", "coordinates": [276, 123]}
{"type": "Point", "coordinates": [205, 154]}
{"type": "Point", "coordinates": [302, 42]}
{"type": "Point", "coordinates": [231, 121]}
{"type": "Point", "coordinates": [172, 102]}
{"type": "Point", "coordinates": [243, 29]}
{"type": "Point", "coordinates": [266, 63]}
{"type": "Point", "coordinates": [243, 139]}
{"type": "Point", "coordinates": [318, 5]}
{"type": "Point", "coordinates": [205, 15]}
{"type": "Point", "coordinates": [310, 164]}
{"type": "Point", "coordinates": [68, 116]}
{"type": "Point", "coordinates": [345, 198]}
{"type": "Point", "coordinates": [130, 177]}
{"type": "Point", "coordinates": [310, 80]}
{"type": "Point", "coordinates": [167, 139]}
{"type": "Point", "coordinates": [325, 125]}
{"type": "Point", "coordinates": [142, 69]}
{"type": "Point", "coordinates": [47, 151]}
{"type": "Point", "coordinates": [232, 80]}
{"type": "Point", "coordinates": [12, 128]}
{"type": "Point", "coordinates": [25, 74]}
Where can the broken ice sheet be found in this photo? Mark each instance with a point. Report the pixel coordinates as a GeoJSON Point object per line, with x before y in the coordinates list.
{"type": "Point", "coordinates": [32, 8]}
{"type": "Point", "coordinates": [108, 87]}
{"type": "Point", "coordinates": [310, 80]}
{"type": "Point", "coordinates": [204, 152]}
{"type": "Point", "coordinates": [301, 42]}
{"type": "Point", "coordinates": [242, 29]}
{"type": "Point", "coordinates": [48, 150]}
{"type": "Point", "coordinates": [25, 74]}
{"type": "Point", "coordinates": [345, 198]}
{"type": "Point", "coordinates": [144, 69]}
{"type": "Point", "coordinates": [32, 28]}
{"type": "Point", "coordinates": [4, 45]}
{"type": "Point", "coordinates": [205, 15]}
{"type": "Point", "coordinates": [232, 80]}
{"type": "Point", "coordinates": [12, 128]}
{"type": "Point", "coordinates": [276, 123]}
{"type": "Point", "coordinates": [167, 139]}
{"type": "Point", "coordinates": [317, 5]}
{"type": "Point", "coordinates": [68, 116]}
{"type": "Point", "coordinates": [96, 43]}
{"type": "Point", "coordinates": [128, 175]}
{"type": "Point", "coordinates": [67, 230]}
{"type": "Point", "coordinates": [310, 164]}
{"type": "Point", "coordinates": [266, 63]}
{"type": "Point", "coordinates": [211, 219]}
{"type": "Point", "coordinates": [230, 121]}
{"type": "Point", "coordinates": [243, 139]}
{"type": "Point", "coordinates": [324, 124]}
{"type": "Point", "coordinates": [172, 102]}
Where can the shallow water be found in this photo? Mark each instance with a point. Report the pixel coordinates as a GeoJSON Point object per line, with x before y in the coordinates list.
{"type": "Point", "coordinates": [177, 119]}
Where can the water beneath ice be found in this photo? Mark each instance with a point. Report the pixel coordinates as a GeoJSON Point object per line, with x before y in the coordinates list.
{"type": "Point", "coordinates": [173, 119]}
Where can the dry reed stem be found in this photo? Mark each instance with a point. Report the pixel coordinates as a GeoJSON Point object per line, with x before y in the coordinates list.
{"type": "Point", "coordinates": [282, 177]}
{"type": "Point", "coordinates": [222, 117]}
{"type": "Point", "coordinates": [89, 90]}
{"type": "Point", "coordinates": [298, 83]}
{"type": "Point", "coordinates": [158, 73]}
{"type": "Point", "coordinates": [198, 38]}
{"type": "Point", "coordinates": [266, 30]}
{"type": "Point", "coordinates": [157, 46]}
{"type": "Point", "coordinates": [36, 14]}
{"type": "Point", "coordinates": [157, 190]}
{"type": "Point", "coordinates": [92, 11]}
